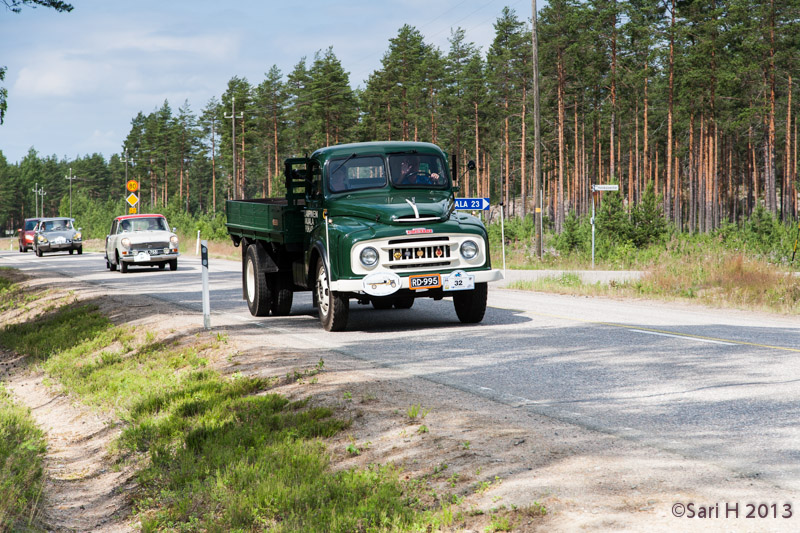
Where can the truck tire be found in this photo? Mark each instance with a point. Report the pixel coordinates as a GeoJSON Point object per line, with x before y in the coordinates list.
{"type": "Point", "coordinates": [256, 287]}
{"type": "Point", "coordinates": [471, 305]}
{"type": "Point", "coordinates": [282, 294]}
{"type": "Point", "coordinates": [334, 309]}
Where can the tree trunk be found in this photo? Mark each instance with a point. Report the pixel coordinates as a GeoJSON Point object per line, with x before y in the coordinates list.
{"type": "Point", "coordinates": [561, 90]}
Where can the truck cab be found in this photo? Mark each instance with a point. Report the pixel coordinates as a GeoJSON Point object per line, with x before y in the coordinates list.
{"type": "Point", "coordinates": [370, 222]}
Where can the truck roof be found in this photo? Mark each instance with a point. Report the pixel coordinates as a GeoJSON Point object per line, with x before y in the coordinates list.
{"type": "Point", "coordinates": [378, 147]}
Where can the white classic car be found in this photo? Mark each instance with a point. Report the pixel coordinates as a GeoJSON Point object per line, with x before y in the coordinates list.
{"type": "Point", "coordinates": [141, 240]}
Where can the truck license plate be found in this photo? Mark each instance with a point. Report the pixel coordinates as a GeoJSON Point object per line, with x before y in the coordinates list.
{"type": "Point", "coordinates": [427, 281]}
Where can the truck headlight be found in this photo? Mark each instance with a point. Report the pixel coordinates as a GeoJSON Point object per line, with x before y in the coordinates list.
{"type": "Point", "coordinates": [469, 249]}
{"type": "Point", "coordinates": [174, 241]}
{"type": "Point", "coordinates": [369, 257]}
{"type": "Point", "coordinates": [125, 242]}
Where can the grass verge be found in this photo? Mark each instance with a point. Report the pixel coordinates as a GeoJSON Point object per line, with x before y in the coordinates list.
{"type": "Point", "coordinates": [22, 448]}
{"type": "Point", "coordinates": [221, 453]}
{"type": "Point", "coordinates": [721, 280]}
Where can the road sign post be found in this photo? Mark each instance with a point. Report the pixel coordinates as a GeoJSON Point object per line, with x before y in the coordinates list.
{"type": "Point", "coordinates": [596, 190]}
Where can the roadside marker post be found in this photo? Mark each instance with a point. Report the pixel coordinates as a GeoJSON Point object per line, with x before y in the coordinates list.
{"type": "Point", "coordinates": [596, 190]}
{"type": "Point", "coordinates": [197, 251]}
{"type": "Point", "coordinates": [206, 299]}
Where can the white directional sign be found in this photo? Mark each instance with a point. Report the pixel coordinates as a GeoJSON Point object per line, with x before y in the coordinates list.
{"type": "Point", "coordinates": [470, 204]}
{"type": "Point", "coordinates": [605, 187]}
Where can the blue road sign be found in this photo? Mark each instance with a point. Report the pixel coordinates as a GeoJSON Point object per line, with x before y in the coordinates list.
{"type": "Point", "coordinates": [472, 204]}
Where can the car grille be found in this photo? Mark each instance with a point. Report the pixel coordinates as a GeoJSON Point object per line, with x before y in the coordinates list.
{"type": "Point", "coordinates": [150, 246]}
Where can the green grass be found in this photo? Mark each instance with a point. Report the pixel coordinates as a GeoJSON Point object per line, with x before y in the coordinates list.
{"type": "Point", "coordinates": [712, 277]}
{"type": "Point", "coordinates": [22, 447]}
{"type": "Point", "coordinates": [222, 453]}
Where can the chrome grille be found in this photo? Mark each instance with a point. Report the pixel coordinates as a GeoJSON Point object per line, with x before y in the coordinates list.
{"type": "Point", "coordinates": [404, 254]}
{"type": "Point", "coordinates": [150, 245]}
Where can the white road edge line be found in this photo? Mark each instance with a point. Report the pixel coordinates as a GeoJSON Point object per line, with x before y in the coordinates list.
{"type": "Point", "coordinates": [686, 337]}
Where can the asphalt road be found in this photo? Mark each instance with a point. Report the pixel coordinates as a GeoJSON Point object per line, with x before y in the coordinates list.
{"type": "Point", "coordinates": [720, 386]}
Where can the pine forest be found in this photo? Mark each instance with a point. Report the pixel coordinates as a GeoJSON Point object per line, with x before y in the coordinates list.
{"type": "Point", "coordinates": [692, 98]}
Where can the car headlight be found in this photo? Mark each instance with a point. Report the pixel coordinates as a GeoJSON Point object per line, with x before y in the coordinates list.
{"type": "Point", "coordinates": [369, 257]}
{"type": "Point", "coordinates": [77, 236]}
{"type": "Point", "coordinates": [125, 242]}
{"type": "Point", "coordinates": [469, 249]}
{"type": "Point", "coordinates": [42, 238]}
{"type": "Point", "coordinates": [174, 241]}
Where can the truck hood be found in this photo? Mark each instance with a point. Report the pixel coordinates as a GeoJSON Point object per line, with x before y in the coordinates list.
{"type": "Point", "coordinates": [412, 207]}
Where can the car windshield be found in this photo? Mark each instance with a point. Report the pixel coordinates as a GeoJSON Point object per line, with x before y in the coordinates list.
{"type": "Point", "coordinates": [30, 224]}
{"type": "Point", "coordinates": [56, 225]}
{"type": "Point", "coordinates": [420, 171]}
{"type": "Point", "coordinates": [354, 173]}
{"type": "Point", "coordinates": [143, 224]}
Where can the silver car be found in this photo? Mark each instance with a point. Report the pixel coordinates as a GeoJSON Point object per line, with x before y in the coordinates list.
{"type": "Point", "coordinates": [57, 234]}
{"type": "Point", "coordinates": [141, 240]}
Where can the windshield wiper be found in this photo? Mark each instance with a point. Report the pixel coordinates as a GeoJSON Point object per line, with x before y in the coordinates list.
{"type": "Point", "coordinates": [349, 157]}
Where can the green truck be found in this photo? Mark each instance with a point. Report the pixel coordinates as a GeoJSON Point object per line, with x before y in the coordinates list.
{"type": "Point", "coordinates": [372, 222]}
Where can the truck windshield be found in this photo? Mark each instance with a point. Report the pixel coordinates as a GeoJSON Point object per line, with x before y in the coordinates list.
{"type": "Point", "coordinates": [419, 171]}
{"type": "Point", "coordinates": [354, 173]}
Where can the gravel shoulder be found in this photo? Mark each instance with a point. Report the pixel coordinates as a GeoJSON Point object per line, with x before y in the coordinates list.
{"type": "Point", "coordinates": [490, 457]}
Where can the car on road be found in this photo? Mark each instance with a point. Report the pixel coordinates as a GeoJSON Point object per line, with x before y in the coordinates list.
{"type": "Point", "coordinates": [26, 234]}
{"type": "Point", "coordinates": [141, 240]}
{"type": "Point", "coordinates": [57, 234]}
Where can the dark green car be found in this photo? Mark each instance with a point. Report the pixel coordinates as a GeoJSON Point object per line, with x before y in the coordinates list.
{"type": "Point", "coordinates": [374, 222]}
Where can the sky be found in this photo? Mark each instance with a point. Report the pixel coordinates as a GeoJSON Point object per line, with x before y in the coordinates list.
{"type": "Point", "coordinates": [76, 80]}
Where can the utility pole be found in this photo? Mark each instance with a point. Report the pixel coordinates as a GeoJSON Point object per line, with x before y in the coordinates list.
{"type": "Point", "coordinates": [126, 160]}
{"type": "Point", "coordinates": [35, 191]}
{"type": "Point", "coordinates": [41, 193]}
{"type": "Point", "coordinates": [537, 145]}
{"type": "Point", "coordinates": [71, 178]}
{"type": "Point", "coordinates": [233, 116]}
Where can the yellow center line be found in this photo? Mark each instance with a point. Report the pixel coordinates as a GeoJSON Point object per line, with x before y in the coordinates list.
{"type": "Point", "coordinates": [667, 332]}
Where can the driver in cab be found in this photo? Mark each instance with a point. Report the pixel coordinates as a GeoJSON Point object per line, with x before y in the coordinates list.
{"type": "Point", "coordinates": [412, 172]}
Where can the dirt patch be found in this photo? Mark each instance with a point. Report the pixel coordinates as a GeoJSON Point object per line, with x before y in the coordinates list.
{"type": "Point", "coordinates": [493, 464]}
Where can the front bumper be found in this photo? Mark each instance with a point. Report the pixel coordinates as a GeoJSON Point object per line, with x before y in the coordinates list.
{"type": "Point", "coordinates": [51, 247]}
{"type": "Point", "coordinates": [357, 285]}
{"type": "Point", "coordinates": [138, 259]}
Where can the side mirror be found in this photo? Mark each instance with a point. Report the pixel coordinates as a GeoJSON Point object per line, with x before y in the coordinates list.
{"type": "Point", "coordinates": [175, 229]}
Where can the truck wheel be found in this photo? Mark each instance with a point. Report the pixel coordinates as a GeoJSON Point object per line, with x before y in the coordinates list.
{"type": "Point", "coordinates": [334, 308]}
{"type": "Point", "coordinates": [382, 304]}
{"type": "Point", "coordinates": [471, 305]}
{"type": "Point", "coordinates": [403, 303]}
{"type": "Point", "coordinates": [282, 294]}
{"type": "Point", "coordinates": [256, 288]}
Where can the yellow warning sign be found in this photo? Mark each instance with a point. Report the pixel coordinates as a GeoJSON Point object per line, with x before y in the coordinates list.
{"type": "Point", "coordinates": [132, 199]}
